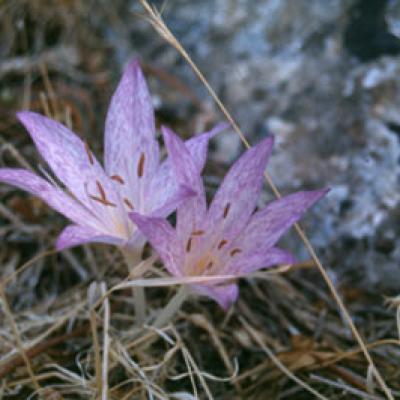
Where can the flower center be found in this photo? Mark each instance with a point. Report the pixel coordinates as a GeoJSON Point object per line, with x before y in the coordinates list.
{"type": "Point", "coordinates": [204, 265]}
{"type": "Point", "coordinates": [112, 219]}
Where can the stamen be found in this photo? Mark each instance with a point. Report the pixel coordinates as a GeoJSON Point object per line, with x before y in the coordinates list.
{"type": "Point", "coordinates": [222, 243]}
{"type": "Point", "coordinates": [197, 233]}
{"type": "Point", "coordinates": [102, 199]}
{"type": "Point", "coordinates": [209, 266]}
{"type": "Point", "coordinates": [101, 190]}
{"type": "Point", "coordinates": [226, 209]}
{"type": "Point", "coordinates": [140, 167]}
{"type": "Point", "coordinates": [105, 202]}
{"type": "Point", "coordinates": [235, 251]}
{"type": "Point", "coordinates": [128, 203]}
{"type": "Point", "coordinates": [118, 179]}
{"type": "Point", "coordinates": [189, 245]}
{"type": "Point", "coordinates": [89, 154]}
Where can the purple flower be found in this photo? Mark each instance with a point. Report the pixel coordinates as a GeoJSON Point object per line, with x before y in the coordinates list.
{"type": "Point", "coordinates": [228, 238]}
{"type": "Point", "coordinates": [98, 200]}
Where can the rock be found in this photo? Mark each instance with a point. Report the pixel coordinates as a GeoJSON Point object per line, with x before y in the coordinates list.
{"type": "Point", "coordinates": [321, 75]}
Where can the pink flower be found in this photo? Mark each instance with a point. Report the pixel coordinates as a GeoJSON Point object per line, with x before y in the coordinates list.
{"type": "Point", "coordinates": [228, 237]}
{"type": "Point", "coordinates": [98, 200]}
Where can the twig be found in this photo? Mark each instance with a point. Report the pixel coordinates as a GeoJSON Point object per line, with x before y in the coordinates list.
{"type": "Point", "coordinates": [172, 307]}
{"type": "Point", "coordinates": [25, 266]}
{"type": "Point", "coordinates": [106, 345]}
{"type": "Point", "coordinates": [202, 322]}
{"type": "Point", "coordinates": [9, 316]}
{"type": "Point", "coordinates": [56, 113]}
{"type": "Point", "coordinates": [174, 83]}
{"type": "Point", "coordinates": [96, 349]}
{"type": "Point", "coordinates": [277, 362]}
{"type": "Point", "coordinates": [132, 259]}
{"type": "Point", "coordinates": [344, 387]}
{"type": "Point", "coordinates": [62, 55]}
{"type": "Point", "coordinates": [157, 22]}
{"type": "Point", "coordinates": [190, 361]}
{"type": "Point", "coordinates": [38, 349]}
{"type": "Point", "coordinates": [6, 146]}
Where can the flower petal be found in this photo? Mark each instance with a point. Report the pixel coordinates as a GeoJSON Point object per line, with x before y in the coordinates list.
{"type": "Point", "coordinates": [163, 238]}
{"type": "Point", "coordinates": [74, 235]}
{"type": "Point", "coordinates": [190, 215]}
{"type": "Point", "coordinates": [68, 157]}
{"type": "Point", "coordinates": [164, 184]}
{"type": "Point", "coordinates": [269, 224]}
{"type": "Point", "coordinates": [259, 259]}
{"type": "Point", "coordinates": [182, 162]}
{"type": "Point", "coordinates": [175, 199]}
{"type": "Point", "coordinates": [53, 196]}
{"type": "Point", "coordinates": [131, 150]}
{"type": "Point", "coordinates": [237, 196]}
{"type": "Point", "coordinates": [198, 144]}
{"type": "Point", "coordinates": [224, 295]}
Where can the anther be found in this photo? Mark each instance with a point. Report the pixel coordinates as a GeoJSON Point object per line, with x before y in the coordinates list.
{"type": "Point", "coordinates": [101, 190]}
{"type": "Point", "coordinates": [105, 202]}
{"type": "Point", "coordinates": [140, 167]}
{"type": "Point", "coordinates": [222, 243]}
{"type": "Point", "coordinates": [102, 199]}
{"type": "Point", "coordinates": [197, 233]}
{"type": "Point", "coordinates": [188, 245]}
{"type": "Point", "coordinates": [209, 266]}
{"type": "Point", "coordinates": [226, 209]}
{"type": "Point", "coordinates": [118, 179]}
{"type": "Point", "coordinates": [89, 154]}
{"type": "Point", "coordinates": [128, 203]}
{"type": "Point", "coordinates": [235, 251]}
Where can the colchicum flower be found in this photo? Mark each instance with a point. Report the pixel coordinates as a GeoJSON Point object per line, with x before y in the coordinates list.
{"type": "Point", "coordinates": [98, 200]}
{"type": "Point", "coordinates": [228, 238]}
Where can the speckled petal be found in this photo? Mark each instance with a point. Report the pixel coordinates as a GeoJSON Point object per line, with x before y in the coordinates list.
{"type": "Point", "coordinates": [198, 144]}
{"type": "Point", "coordinates": [237, 196]}
{"type": "Point", "coordinates": [190, 215]}
{"type": "Point", "coordinates": [224, 295]}
{"type": "Point", "coordinates": [131, 150]}
{"type": "Point", "coordinates": [164, 183]}
{"type": "Point", "coordinates": [74, 235]}
{"type": "Point", "coordinates": [173, 201]}
{"type": "Point", "coordinates": [52, 195]}
{"type": "Point", "coordinates": [269, 224]}
{"type": "Point", "coordinates": [67, 156]}
{"type": "Point", "coordinates": [259, 259]}
{"type": "Point", "coordinates": [163, 238]}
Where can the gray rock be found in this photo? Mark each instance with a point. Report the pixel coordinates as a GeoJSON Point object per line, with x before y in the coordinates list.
{"type": "Point", "coordinates": [280, 66]}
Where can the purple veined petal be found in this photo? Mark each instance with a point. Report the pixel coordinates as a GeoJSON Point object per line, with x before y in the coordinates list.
{"type": "Point", "coordinates": [164, 183]}
{"type": "Point", "coordinates": [162, 237]}
{"type": "Point", "coordinates": [198, 144]}
{"type": "Point", "coordinates": [237, 196]}
{"type": "Point", "coordinates": [269, 224]}
{"type": "Point", "coordinates": [67, 155]}
{"type": "Point", "coordinates": [224, 295]}
{"type": "Point", "coordinates": [258, 259]}
{"type": "Point", "coordinates": [173, 201]}
{"type": "Point", "coordinates": [53, 196]}
{"type": "Point", "coordinates": [130, 147]}
{"type": "Point", "coordinates": [191, 214]}
{"type": "Point", "coordinates": [74, 235]}
{"type": "Point", "coordinates": [183, 164]}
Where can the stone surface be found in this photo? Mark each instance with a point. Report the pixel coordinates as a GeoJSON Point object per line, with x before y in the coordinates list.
{"type": "Point", "coordinates": [295, 69]}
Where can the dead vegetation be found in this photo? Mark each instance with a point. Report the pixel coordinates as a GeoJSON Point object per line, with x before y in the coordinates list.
{"type": "Point", "coordinates": [62, 337]}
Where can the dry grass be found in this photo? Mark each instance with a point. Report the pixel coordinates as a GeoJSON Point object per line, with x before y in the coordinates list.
{"type": "Point", "coordinates": [66, 332]}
